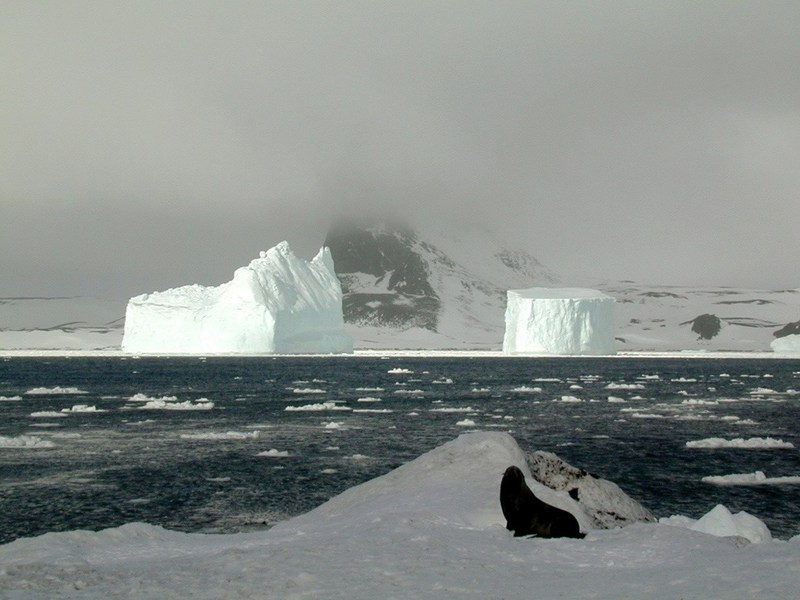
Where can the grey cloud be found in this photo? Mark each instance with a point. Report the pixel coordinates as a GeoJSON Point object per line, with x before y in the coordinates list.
{"type": "Point", "coordinates": [149, 144]}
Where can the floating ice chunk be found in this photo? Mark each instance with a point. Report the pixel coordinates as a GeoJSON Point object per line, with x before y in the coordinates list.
{"type": "Point", "coordinates": [569, 399]}
{"type": "Point", "coordinates": [47, 414]}
{"type": "Point", "coordinates": [274, 453]}
{"type": "Point", "coordinates": [227, 435]}
{"type": "Point", "coordinates": [559, 321]}
{"type": "Point", "coordinates": [24, 441]}
{"type": "Point", "coordinates": [317, 407]}
{"type": "Point", "coordinates": [466, 423]}
{"type": "Point", "coordinates": [145, 398]}
{"type": "Point", "coordinates": [308, 391]}
{"type": "Point", "coordinates": [453, 409]}
{"type": "Point", "coordinates": [10, 398]}
{"type": "Point", "coordinates": [57, 390]}
{"type": "Point", "coordinates": [756, 443]}
{"type": "Point", "coordinates": [399, 371]}
{"type": "Point", "coordinates": [525, 389]}
{"type": "Point", "coordinates": [82, 408]}
{"type": "Point", "coordinates": [162, 404]}
{"type": "Point", "coordinates": [624, 386]}
{"type": "Point", "coordinates": [279, 303]}
{"type": "Point", "coordinates": [756, 478]}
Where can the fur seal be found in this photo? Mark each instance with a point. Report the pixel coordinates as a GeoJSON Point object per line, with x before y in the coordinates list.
{"type": "Point", "coordinates": [527, 515]}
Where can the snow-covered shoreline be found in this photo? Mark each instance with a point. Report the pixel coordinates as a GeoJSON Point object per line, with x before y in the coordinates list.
{"type": "Point", "coordinates": [431, 528]}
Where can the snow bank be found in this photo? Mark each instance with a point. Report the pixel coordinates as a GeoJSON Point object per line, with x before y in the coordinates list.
{"type": "Point", "coordinates": [788, 344]}
{"type": "Point", "coordinates": [559, 321]}
{"type": "Point", "coordinates": [278, 303]}
{"type": "Point", "coordinates": [719, 521]}
{"type": "Point", "coordinates": [432, 528]}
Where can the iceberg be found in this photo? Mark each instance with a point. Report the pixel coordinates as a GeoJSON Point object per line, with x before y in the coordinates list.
{"type": "Point", "coordinates": [559, 321]}
{"type": "Point", "coordinates": [788, 344]}
{"type": "Point", "coordinates": [279, 303]}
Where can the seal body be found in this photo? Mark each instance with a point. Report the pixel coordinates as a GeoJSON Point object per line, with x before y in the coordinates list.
{"type": "Point", "coordinates": [527, 515]}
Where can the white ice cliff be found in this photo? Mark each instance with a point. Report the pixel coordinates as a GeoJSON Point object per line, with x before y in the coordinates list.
{"type": "Point", "coordinates": [788, 344]}
{"type": "Point", "coordinates": [279, 303]}
{"type": "Point", "coordinates": [559, 321]}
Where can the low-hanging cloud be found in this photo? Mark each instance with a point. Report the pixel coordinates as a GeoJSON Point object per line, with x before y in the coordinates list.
{"type": "Point", "coordinates": [147, 145]}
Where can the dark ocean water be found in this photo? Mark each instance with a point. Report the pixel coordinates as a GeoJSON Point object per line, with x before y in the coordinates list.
{"type": "Point", "coordinates": [199, 470]}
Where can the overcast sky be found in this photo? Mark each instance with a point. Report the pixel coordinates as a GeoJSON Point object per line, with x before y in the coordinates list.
{"type": "Point", "coordinates": [146, 145]}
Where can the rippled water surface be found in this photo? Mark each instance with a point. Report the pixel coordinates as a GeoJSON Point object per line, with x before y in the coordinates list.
{"type": "Point", "coordinates": [97, 442]}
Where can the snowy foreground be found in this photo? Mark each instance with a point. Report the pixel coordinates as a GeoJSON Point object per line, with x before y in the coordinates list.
{"type": "Point", "coordinates": [429, 529]}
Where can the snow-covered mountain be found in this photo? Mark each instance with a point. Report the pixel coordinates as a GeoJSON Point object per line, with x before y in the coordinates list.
{"type": "Point", "coordinates": [64, 323]}
{"type": "Point", "coordinates": [431, 288]}
{"type": "Point", "coordinates": [428, 288]}
{"type": "Point", "coordinates": [407, 288]}
{"type": "Point", "coordinates": [714, 319]}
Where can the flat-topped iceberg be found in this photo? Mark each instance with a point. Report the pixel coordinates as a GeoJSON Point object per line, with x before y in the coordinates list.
{"type": "Point", "coordinates": [559, 321]}
{"type": "Point", "coordinates": [788, 344]}
{"type": "Point", "coordinates": [279, 303]}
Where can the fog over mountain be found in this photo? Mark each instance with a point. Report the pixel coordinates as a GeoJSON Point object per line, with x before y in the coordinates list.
{"type": "Point", "coordinates": [147, 145]}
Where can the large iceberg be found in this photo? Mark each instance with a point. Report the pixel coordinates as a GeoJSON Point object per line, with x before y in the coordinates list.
{"type": "Point", "coordinates": [788, 344]}
{"type": "Point", "coordinates": [559, 321]}
{"type": "Point", "coordinates": [279, 303]}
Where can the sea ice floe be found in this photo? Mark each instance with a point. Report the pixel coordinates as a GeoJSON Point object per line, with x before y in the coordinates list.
{"type": "Point", "coordinates": [466, 423]}
{"type": "Point", "coordinates": [308, 391]}
{"type": "Point", "coordinates": [24, 441]}
{"type": "Point", "coordinates": [162, 404]}
{"type": "Point", "coordinates": [10, 398]}
{"type": "Point", "coordinates": [227, 435]}
{"type": "Point", "coordinates": [57, 390]}
{"type": "Point", "coordinates": [369, 399]}
{"type": "Point", "coordinates": [145, 398]}
{"type": "Point", "coordinates": [399, 371]}
{"type": "Point", "coordinates": [47, 414]}
{"type": "Point", "coordinates": [373, 410]}
{"type": "Point", "coordinates": [756, 478]}
{"type": "Point", "coordinates": [274, 453]}
{"type": "Point", "coordinates": [568, 399]}
{"type": "Point", "coordinates": [453, 409]}
{"type": "Point", "coordinates": [317, 407]}
{"type": "Point", "coordinates": [756, 443]}
{"type": "Point", "coordinates": [82, 408]}
{"type": "Point", "coordinates": [525, 389]}
{"type": "Point", "coordinates": [624, 386]}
